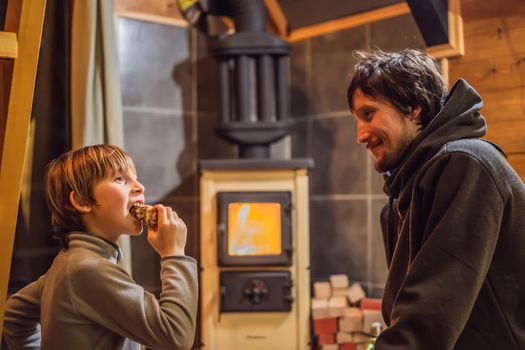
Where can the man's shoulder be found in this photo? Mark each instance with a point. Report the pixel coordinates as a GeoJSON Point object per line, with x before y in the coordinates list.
{"type": "Point", "coordinates": [483, 151]}
{"type": "Point", "coordinates": [488, 155]}
{"type": "Point", "coordinates": [474, 147]}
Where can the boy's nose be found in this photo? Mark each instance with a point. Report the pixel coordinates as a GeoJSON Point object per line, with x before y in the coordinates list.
{"type": "Point", "coordinates": [138, 187]}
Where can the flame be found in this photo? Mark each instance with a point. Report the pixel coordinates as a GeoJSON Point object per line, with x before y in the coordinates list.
{"type": "Point", "coordinates": [254, 229]}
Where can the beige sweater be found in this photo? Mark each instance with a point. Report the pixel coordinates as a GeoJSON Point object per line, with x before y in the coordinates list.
{"type": "Point", "coordinates": [87, 301]}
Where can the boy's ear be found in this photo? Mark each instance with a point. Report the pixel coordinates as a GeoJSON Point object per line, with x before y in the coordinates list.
{"type": "Point", "coordinates": [78, 204]}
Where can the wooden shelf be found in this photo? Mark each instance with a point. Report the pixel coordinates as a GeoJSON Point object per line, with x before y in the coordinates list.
{"type": "Point", "coordinates": [8, 45]}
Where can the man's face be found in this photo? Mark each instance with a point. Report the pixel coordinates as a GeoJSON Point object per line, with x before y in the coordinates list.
{"type": "Point", "coordinates": [384, 129]}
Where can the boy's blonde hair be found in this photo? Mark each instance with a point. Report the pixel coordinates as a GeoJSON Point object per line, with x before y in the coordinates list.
{"type": "Point", "coordinates": [79, 171]}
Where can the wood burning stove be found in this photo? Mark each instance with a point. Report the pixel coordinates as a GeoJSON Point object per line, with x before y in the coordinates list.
{"type": "Point", "coordinates": [254, 257]}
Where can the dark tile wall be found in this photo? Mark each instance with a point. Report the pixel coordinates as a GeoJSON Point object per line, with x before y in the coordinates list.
{"type": "Point", "coordinates": [169, 86]}
{"type": "Point", "coordinates": [158, 81]}
{"type": "Point", "coordinates": [346, 191]}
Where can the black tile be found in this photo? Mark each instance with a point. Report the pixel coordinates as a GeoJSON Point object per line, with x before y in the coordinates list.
{"type": "Point", "coordinates": [340, 163]}
{"type": "Point", "coordinates": [378, 258]}
{"type": "Point", "coordinates": [395, 34]}
{"type": "Point", "coordinates": [210, 145]}
{"type": "Point", "coordinates": [301, 138]}
{"type": "Point", "coordinates": [332, 65]}
{"type": "Point", "coordinates": [207, 79]}
{"type": "Point", "coordinates": [163, 151]}
{"type": "Point", "coordinates": [155, 65]}
{"type": "Point", "coordinates": [338, 238]}
{"type": "Point", "coordinates": [300, 78]}
{"type": "Point", "coordinates": [376, 292]}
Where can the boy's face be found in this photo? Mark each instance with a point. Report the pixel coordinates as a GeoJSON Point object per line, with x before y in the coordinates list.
{"type": "Point", "coordinates": [114, 196]}
{"type": "Point", "coordinates": [384, 129]}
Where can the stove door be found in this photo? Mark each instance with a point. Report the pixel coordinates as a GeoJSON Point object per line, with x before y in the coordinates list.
{"type": "Point", "coordinates": [254, 229]}
{"type": "Point", "coordinates": [249, 291]}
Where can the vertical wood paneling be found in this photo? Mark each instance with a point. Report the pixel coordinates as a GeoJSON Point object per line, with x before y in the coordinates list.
{"type": "Point", "coordinates": [494, 64]}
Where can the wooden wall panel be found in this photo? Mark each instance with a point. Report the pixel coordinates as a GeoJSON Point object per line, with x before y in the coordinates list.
{"type": "Point", "coordinates": [475, 9]}
{"type": "Point", "coordinates": [504, 104]}
{"type": "Point", "coordinates": [494, 64]}
{"type": "Point", "coordinates": [518, 163]}
{"type": "Point", "coordinates": [494, 37]}
{"type": "Point", "coordinates": [508, 134]}
{"type": "Point", "coordinates": [491, 74]}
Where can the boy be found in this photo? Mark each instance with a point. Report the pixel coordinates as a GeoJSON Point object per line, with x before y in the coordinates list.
{"type": "Point", "coordinates": [85, 300]}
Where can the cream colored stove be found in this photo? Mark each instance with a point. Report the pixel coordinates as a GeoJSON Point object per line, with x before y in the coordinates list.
{"type": "Point", "coordinates": [255, 277]}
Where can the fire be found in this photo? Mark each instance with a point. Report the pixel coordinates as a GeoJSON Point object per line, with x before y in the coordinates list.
{"type": "Point", "coordinates": [254, 229]}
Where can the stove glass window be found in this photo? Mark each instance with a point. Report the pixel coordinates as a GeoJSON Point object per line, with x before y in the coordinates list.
{"type": "Point", "coordinates": [254, 229]}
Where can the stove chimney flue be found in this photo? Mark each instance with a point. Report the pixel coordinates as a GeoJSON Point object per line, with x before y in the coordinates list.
{"type": "Point", "coordinates": [253, 77]}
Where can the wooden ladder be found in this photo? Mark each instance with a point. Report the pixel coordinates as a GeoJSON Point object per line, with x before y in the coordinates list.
{"type": "Point", "coordinates": [19, 48]}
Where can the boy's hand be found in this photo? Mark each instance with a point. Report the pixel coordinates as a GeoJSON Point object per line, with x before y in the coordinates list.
{"type": "Point", "coordinates": [169, 236]}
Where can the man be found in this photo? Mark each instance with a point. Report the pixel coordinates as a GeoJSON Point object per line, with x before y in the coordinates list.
{"type": "Point", "coordinates": [454, 226]}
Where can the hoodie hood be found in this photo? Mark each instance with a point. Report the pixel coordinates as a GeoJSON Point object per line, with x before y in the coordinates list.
{"type": "Point", "coordinates": [459, 119]}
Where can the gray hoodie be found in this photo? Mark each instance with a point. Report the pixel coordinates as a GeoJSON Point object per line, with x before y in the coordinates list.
{"type": "Point", "coordinates": [454, 234]}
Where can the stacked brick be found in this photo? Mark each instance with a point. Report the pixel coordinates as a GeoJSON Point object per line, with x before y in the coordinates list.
{"type": "Point", "coordinates": [342, 314]}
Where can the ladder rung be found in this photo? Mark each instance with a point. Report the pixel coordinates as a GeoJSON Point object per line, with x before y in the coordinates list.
{"type": "Point", "coordinates": [8, 45]}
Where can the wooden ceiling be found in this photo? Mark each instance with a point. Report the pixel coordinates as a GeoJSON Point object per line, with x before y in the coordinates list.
{"type": "Point", "coordinates": [296, 20]}
{"type": "Point", "coordinates": [305, 13]}
{"type": "Point", "coordinates": [291, 19]}
{"type": "Point", "coordinates": [298, 13]}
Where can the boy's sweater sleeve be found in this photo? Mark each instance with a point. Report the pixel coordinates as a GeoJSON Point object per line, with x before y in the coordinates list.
{"type": "Point", "coordinates": [107, 295]}
{"type": "Point", "coordinates": [22, 317]}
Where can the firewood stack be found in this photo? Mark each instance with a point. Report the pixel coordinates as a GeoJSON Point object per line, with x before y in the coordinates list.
{"type": "Point", "coordinates": [342, 314]}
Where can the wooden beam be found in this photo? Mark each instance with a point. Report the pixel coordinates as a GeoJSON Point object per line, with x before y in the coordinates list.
{"type": "Point", "coordinates": [431, 19]}
{"type": "Point", "coordinates": [177, 22]}
{"type": "Point", "coordinates": [12, 16]}
{"type": "Point", "coordinates": [277, 17]}
{"type": "Point", "coordinates": [8, 45]}
{"type": "Point", "coordinates": [443, 65]}
{"type": "Point", "coordinates": [16, 132]}
{"type": "Point", "coordinates": [157, 11]}
{"type": "Point", "coordinates": [349, 22]}
{"type": "Point", "coordinates": [455, 46]}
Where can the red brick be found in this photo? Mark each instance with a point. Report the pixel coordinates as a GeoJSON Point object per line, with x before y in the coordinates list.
{"type": "Point", "coordinates": [326, 338]}
{"type": "Point", "coordinates": [347, 346]}
{"type": "Point", "coordinates": [325, 325]}
{"type": "Point", "coordinates": [370, 304]}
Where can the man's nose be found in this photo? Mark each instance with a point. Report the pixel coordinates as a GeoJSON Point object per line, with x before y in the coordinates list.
{"type": "Point", "coordinates": [362, 133]}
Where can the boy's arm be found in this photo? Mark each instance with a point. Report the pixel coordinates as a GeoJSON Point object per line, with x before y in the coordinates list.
{"type": "Point", "coordinates": [106, 294]}
{"type": "Point", "coordinates": [22, 317]}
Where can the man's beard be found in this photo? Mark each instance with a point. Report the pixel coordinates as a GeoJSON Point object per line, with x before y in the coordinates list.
{"type": "Point", "coordinates": [392, 158]}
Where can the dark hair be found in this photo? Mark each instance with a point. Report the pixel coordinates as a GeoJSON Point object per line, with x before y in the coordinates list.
{"type": "Point", "coordinates": [407, 79]}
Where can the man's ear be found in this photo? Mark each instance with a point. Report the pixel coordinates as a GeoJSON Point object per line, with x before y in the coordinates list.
{"type": "Point", "coordinates": [78, 204]}
{"type": "Point", "coordinates": [415, 113]}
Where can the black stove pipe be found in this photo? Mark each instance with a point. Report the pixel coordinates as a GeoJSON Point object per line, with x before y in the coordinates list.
{"type": "Point", "coordinates": [248, 15]}
{"type": "Point", "coordinates": [253, 72]}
